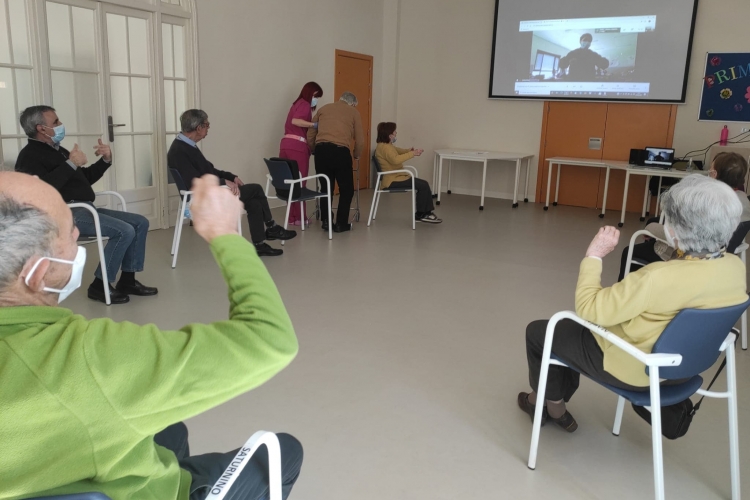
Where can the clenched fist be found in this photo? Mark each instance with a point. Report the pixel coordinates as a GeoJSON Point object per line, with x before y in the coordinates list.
{"type": "Point", "coordinates": [604, 242]}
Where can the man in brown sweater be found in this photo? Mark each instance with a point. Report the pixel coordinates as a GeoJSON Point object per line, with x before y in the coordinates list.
{"type": "Point", "coordinates": [336, 125]}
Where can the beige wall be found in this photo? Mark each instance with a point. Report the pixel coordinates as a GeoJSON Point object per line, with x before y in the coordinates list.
{"type": "Point", "coordinates": [256, 55]}
{"type": "Point", "coordinates": [443, 79]}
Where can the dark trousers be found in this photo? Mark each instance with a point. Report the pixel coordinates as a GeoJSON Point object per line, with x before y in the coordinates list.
{"type": "Point", "coordinates": [424, 193]}
{"type": "Point", "coordinates": [335, 162]}
{"type": "Point", "coordinates": [575, 346]}
{"type": "Point", "coordinates": [643, 252]}
{"type": "Point", "coordinates": [126, 248]}
{"type": "Point", "coordinates": [252, 483]}
{"type": "Point", "coordinates": [258, 211]}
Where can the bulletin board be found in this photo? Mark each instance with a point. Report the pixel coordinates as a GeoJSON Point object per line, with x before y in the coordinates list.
{"type": "Point", "coordinates": [726, 88]}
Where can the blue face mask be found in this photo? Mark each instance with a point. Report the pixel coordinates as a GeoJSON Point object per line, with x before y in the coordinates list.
{"type": "Point", "coordinates": [59, 134]}
{"type": "Point", "coordinates": [314, 102]}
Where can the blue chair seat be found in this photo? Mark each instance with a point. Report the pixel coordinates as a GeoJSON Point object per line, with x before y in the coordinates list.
{"type": "Point", "coordinates": [670, 394]}
{"type": "Point", "coordinates": [397, 190]}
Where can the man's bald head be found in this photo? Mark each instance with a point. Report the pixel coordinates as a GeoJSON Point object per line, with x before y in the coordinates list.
{"type": "Point", "coordinates": [35, 222]}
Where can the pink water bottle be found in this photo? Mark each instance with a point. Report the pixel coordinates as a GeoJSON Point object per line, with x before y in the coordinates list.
{"type": "Point", "coordinates": [724, 136]}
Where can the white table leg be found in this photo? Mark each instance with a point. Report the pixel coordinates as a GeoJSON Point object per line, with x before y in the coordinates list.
{"type": "Point", "coordinates": [624, 199]}
{"type": "Point", "coordinates": [484, 180]}
{"type": "Point", "coordinates": [645, 199]}
{"type": "Point", "coordinates": [526, 192]}
{"type": "Point", "coordinates": [557, 187]}
{"type": "Point", "coordinates": [450, 172]}
{"type": "Point", "coordinates": [606, 190]}
{"type": "Point", "coordinates": [440, 179]}
{"type": "Point", "coordinates": [515, 189]}
{"type": "Point", "coordinates": [434, 175]}
{"type": "Point", "coordinates": [549, 183]}
{"type": "Point", "coordinates": [658, 197]}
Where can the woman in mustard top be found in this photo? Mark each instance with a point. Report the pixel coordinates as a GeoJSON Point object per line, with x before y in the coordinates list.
{"type": "Point", "coordinates": [389, 157]}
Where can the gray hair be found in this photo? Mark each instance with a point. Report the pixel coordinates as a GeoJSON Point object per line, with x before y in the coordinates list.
{"type": "Point", "coordinates": [703, 212]}
{"type": "Point", "coordinates": [25, 231]}
{"type": "Point", "coordinates": [33, 116]}
{"type": "Point", "coordinates": [349, 98]}
{"type": "Point", "coordinates": [191, 119]}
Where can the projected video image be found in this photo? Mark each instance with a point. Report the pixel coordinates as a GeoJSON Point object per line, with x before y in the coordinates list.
{"type": "Point", "coordinates": [587, 57]}
{"type": "Point", "coordinates": [659, 156]}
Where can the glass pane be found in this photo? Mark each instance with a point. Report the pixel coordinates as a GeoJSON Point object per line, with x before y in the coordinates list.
{"type": "Point", "coordinates": [143, 161]}
{"type": "Point", "coordinates": [180, 99]}
{"type": "Point", "coordinates": [120, 89]}
{"type": "Point", "coordinates": [179, 52]}
{"type": "Point", "coordinates": [138, 46]}
{"type": "Point", "coordinates": [24, 93]}
{"type": "Point", "coordinates": [83, 38]}
{"type": "Point", "coordinates": [117, 41]}
{"type": "Point", "coordinates": [7, 103]}
{"type": "Point", "coordinates": [122, 150]}
{"type": "Point", "coordinates": [10, 153]}
{"type": "Point", "coordinates": [19, 32]}
{"type": "Point", "coordinates": [85, 144]}
{"type": "Point", "coordinates": [169, 110]}
{"type": "Point", "coordinates": [4, 34]}
{"type": "Point", "coordinates": [64, 99]}
{"type": "Point", "coordinates": [141, 104]}
{"type": "Point", "coordinates": [166, 39]}
{"type": "Point", "coordinates": [58, 32]}
{"type": "Point", "coordinates": [89, 109]}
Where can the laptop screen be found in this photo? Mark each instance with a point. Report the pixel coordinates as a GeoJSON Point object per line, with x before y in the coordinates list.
{"type": "Point", "coordinates": [659, 156]}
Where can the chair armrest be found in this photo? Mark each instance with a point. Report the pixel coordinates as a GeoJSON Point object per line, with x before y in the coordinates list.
{"type": "Point", "coordinates": [116, 195]}
{"type": "Point", "coordinates": [302, 179]}
{"type": "Point", "coordinates": [741, 248]}
{"type": "Point", "coordinates": [224, 484]}
{"type": "Point", "coordinates": [731, 337]}
{"type": "Point", "coordinates": [413, 169]}
{"type": "Point", "coordinates": [401, 171]}
{"type": "Point", "coordinates": [87, 207]}
{"type": "Point", "coordinates": [658, 359]}
{"type": "Point", "coordinates": [642, 232]}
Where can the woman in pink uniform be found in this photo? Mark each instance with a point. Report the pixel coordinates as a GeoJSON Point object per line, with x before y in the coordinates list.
{"type": "Point", "coordinates": [294, 143]}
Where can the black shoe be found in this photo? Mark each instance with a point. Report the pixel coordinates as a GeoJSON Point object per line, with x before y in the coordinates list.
{"type": "Point", "coordinates": [279, 233]}
{"type": "Point", "coordinates": [115, 297]}
{"type": "Point", "coordinates": [325, 225]}
{"type": "Point", "coordinates": [429, 218]}
{"type": "Point", "coordinates": [136, 289]}
{"type": "Point", "coordinates": [266, 250]}
{"type": "Point", "coordinates": [523, 403]}
{"type": "Point", "coordinates": [341, 228]}
{"type": "Point", "coordinates": [567, 422]}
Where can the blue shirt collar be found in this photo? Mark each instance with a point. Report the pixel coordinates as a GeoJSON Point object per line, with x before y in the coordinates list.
{"type": "Point", "coordinates": [182, 137]}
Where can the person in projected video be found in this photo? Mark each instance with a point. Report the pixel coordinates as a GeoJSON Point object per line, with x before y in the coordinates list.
{"type": "Point", "coordinates": [583, 64]}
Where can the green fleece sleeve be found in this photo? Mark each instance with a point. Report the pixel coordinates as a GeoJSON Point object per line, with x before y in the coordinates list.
{"type": "Point", "coordinates": [155, 378]}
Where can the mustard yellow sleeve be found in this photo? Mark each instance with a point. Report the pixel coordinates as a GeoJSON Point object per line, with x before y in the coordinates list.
{"type": "Point", "coordinates": [393, 157]}
{"type": "Point", "coordinates": [402, 151]}
{"type": "Point", "coordinates": [614, 305]}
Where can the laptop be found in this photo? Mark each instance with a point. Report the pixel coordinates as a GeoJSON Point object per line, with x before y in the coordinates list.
{"type": "Point", "coordinates": [659, 158]}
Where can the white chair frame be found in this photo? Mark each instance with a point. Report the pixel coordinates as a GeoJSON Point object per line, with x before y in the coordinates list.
{"type": "Point", "coordinates": [186, 195]}
{"type": "Point", "coordinates": [224, 483]}
{"type": "Point", "coordinates": [99, 239]}
{"type": "Point", "coordinates": [740, 250]}
{"type": "Point", "coordinates": [653, 361]}
{"type": "Point", "coordinates": [408, 170]}
{"type": "Point", "coordinates": [289, 201]}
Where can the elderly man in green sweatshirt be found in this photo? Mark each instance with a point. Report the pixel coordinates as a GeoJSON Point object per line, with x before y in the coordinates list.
{"type": "Point", "coordinates": [94, 405]}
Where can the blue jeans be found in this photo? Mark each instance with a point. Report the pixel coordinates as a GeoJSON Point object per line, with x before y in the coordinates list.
{"type": "Point", "coordinates": [251, 484]}
{"type": "Point", "coordinates": [127, 232]}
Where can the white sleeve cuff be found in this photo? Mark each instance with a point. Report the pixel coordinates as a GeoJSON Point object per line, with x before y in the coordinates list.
{"type": "Point", "coordinates": [594, 257]}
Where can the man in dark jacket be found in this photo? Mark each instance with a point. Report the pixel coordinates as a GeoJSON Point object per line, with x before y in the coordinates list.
{"type": "Point", "coordinates": [188, 160]}
{"type": "Point", "coordinates": [583, 62]}
{"type": "Point", "coordinates": [44, 157]}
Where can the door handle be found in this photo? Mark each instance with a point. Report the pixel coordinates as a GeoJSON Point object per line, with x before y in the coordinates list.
{"type": "Point", "coordinates": [111, 126]}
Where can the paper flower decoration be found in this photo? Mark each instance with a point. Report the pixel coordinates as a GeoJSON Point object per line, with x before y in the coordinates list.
{"type": "Point", "coordinates": [725, 93]}
{"type": "Point", "coordinates": [709, 113]}
{"type": "Point", "coordinates": [738, 107]}
{"type": "Point", "coordinates": [710, 81]}
{"type": "Point", "coordinates": [715, 61]}
{"type": "Point", "coordinates": [747, 96]}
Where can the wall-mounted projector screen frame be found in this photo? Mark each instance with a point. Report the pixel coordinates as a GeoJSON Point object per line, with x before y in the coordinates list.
{"type": "Point", "coordinates": [623, 53]}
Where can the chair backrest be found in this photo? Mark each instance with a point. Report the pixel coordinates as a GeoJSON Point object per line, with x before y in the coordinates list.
{"type": "Point", "coordinates": [376, 163]}
{"type": "Point", "coordinates": [178, 180]}
{"type": "Point", "coordinates": [738, 237]}
{"type": "Point", "coordinates": [696, 334]}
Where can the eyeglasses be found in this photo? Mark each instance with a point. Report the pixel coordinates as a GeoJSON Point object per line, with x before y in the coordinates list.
{"type": "Point", "coordinates": [206, 125]}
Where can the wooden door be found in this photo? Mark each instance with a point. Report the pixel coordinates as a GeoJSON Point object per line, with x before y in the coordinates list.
{"type": "Point", "coordinates": [633, 126]}
{"type": "Point", "coordinates": [566, 131]}
{"type": "Point", "coordinates": [354, 74]}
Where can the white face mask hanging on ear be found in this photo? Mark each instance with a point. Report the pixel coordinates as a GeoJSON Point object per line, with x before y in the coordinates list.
{"type": "Point", "coordinates": [75, 276]}
{"type": "Point", "coordinates": [671, 241]}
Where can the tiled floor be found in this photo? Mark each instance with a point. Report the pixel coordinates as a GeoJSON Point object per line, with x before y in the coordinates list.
{"type": "Point", "coordinates": [412, 353]}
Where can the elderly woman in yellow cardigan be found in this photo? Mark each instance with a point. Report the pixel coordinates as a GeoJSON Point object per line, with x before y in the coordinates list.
{"type": "Point", "coordinates": [701, 215]}
{"type": "Point", "coordinates": [389, 157]}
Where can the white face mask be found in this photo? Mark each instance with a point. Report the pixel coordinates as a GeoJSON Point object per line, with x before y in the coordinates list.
{"type": "Point", "coordinates": [75, 276]}
{"type": "Point", "coordinates": [671, 241]}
